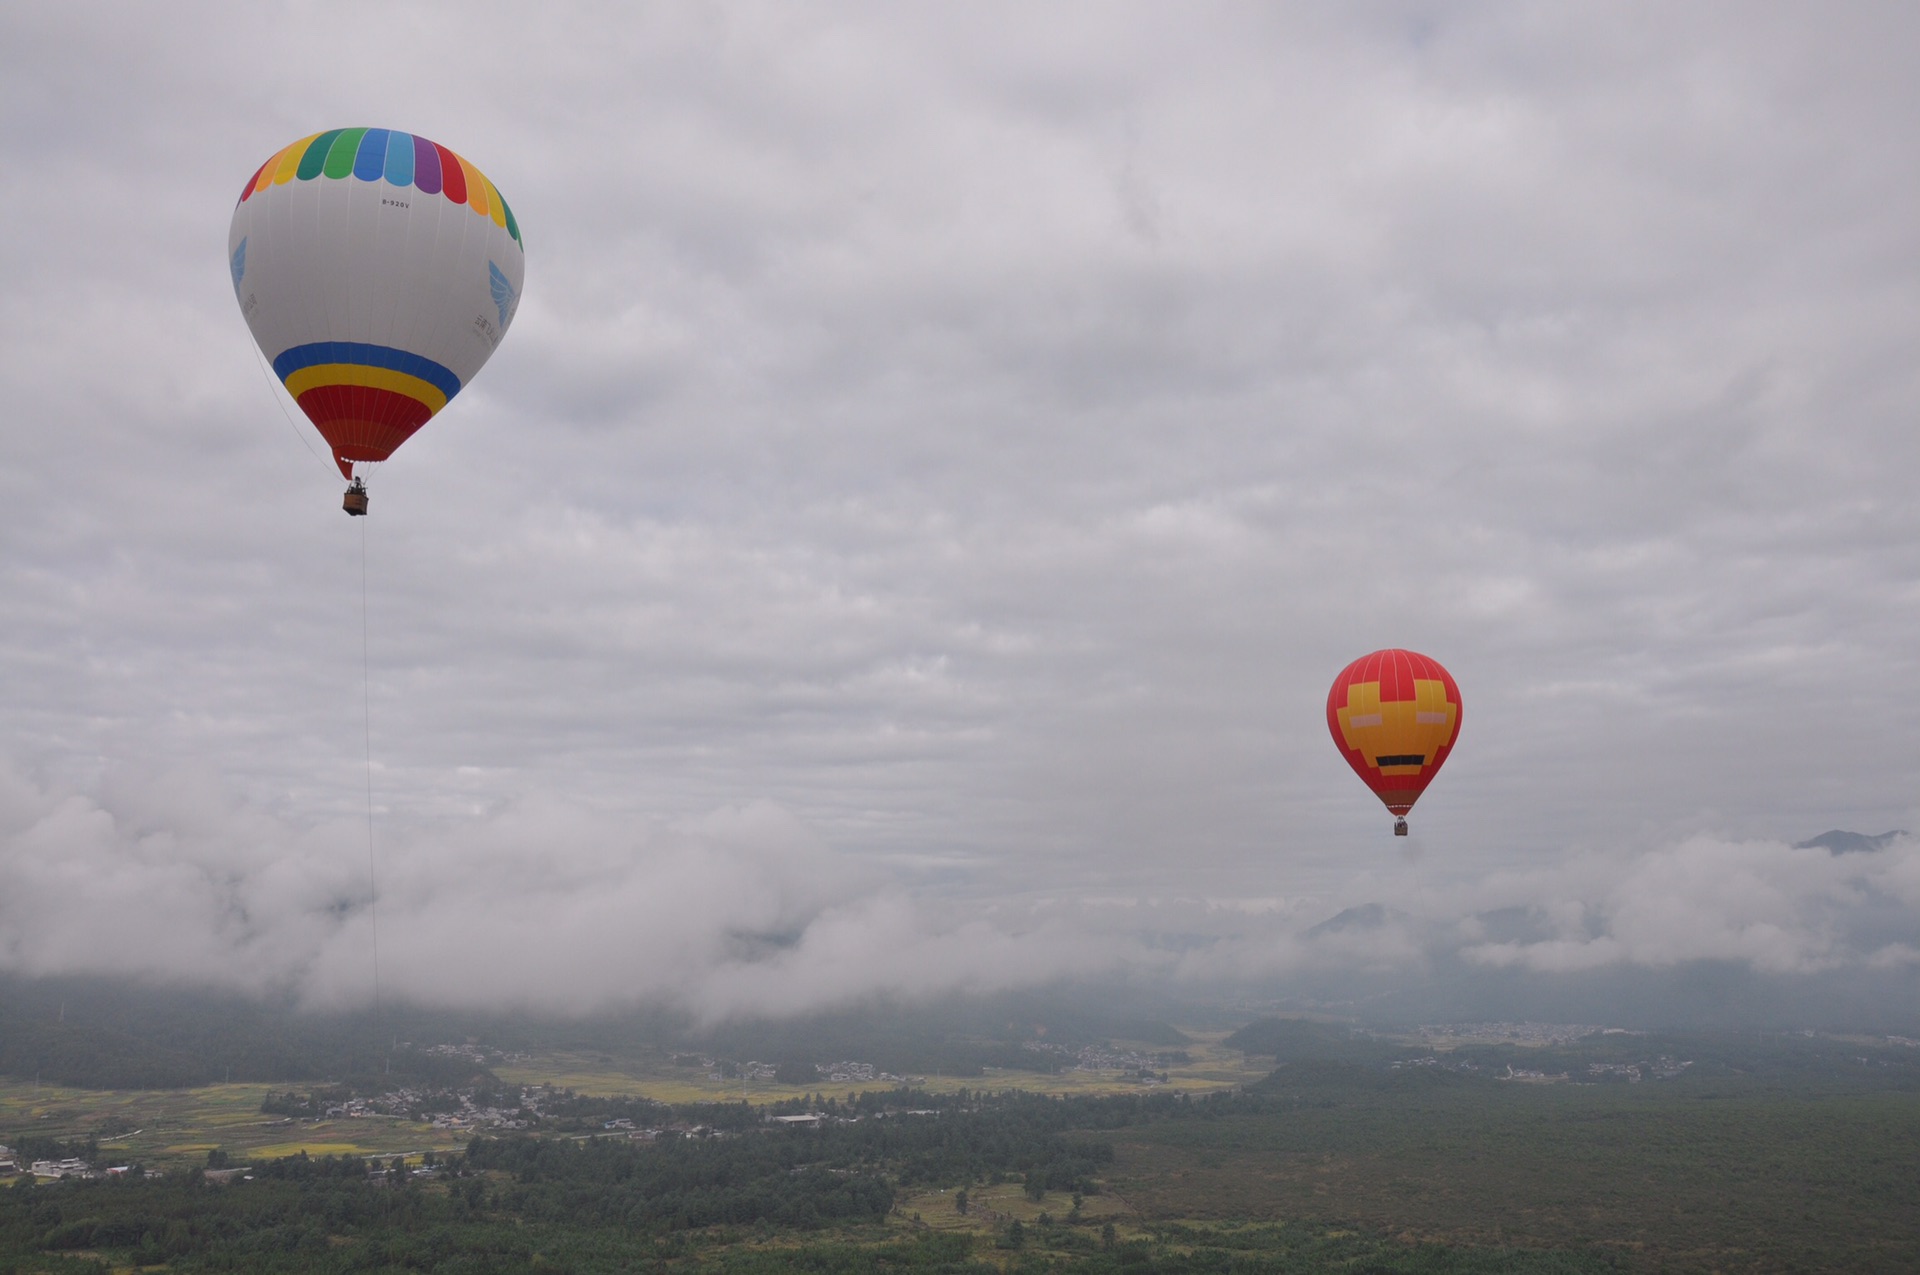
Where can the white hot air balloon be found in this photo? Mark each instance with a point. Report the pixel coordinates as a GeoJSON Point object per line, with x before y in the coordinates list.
{"type": "Point", "coordinates": [378, 272]}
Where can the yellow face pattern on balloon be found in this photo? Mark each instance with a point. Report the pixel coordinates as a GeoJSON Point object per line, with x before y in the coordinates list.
{"type": "Point", "coordinates": [1400, 737]}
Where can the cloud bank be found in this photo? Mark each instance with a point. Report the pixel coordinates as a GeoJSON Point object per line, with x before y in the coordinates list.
{"type": "Point", "coordinates": [747, 912]}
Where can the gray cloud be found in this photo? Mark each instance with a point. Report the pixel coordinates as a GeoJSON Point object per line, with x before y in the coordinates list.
{"type": "Point", "coordinates": [981, 434]}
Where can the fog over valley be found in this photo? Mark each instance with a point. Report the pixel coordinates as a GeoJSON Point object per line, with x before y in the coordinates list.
{"type": "Point", "coordinates": [748, 913]}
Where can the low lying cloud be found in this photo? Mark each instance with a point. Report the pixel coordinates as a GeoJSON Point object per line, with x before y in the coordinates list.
{"type": "Point", "coordinates": [543, 906]}
{"type": "Point", "coordinates": [1777, 908]}
{"type": "Point", "coordinates": [556, 907]}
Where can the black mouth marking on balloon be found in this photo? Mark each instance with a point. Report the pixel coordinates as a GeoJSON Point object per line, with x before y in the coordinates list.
{"type": "Point", "coordinates": [1402, 759]}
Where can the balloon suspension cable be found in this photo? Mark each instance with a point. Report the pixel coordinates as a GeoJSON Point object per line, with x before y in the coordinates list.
{"type": "Point", "coordinates": [366, 717]}
{"type": "Point", "coordinates": [293, 425]}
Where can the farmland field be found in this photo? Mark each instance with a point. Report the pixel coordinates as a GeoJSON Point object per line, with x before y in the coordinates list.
{"type": "Point", "coordinates": [163, 1127]}
{"type": "Point", "coordinates": [171, 1127]}
{"type": "Point", "coordinates": [1211, 1067]}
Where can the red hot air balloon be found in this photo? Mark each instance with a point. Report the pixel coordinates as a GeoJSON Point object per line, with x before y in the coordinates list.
{"type": "Point", "coordinates": [1394, 716]}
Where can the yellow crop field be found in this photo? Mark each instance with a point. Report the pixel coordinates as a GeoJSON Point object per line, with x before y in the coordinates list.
{"type": "Point", "coordinates": [279, 1150]}
{"type": "Point", "coordinates": [1212, 1067]}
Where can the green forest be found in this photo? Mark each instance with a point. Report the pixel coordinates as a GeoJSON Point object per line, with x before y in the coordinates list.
{"type": "Point", "coordinates": [1790, 1162]}
{"type": "Point", "coordinates": [738, 1198]}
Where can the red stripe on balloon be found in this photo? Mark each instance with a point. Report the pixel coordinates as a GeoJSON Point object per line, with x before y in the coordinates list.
{"type": "Point", "coordinates": [453, 177]}
{"type": "Point", "coordinates": [361, 422]}
{"type": "Point", "coordinates": [246, 191]}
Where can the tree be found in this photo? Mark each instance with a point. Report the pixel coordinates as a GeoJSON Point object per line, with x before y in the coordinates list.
{"type": "Point", "coordinates": [960, 1200]}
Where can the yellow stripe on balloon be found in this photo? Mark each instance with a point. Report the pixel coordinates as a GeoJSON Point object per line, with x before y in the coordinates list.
{"type": "Point", "coordinates": [476, 188]}
{"type": "Point", "coordinates": [378, 378]}
{"type": "Point", "coordinates": [289, 162]}
{"type": "Point", "coordinates": [1432, 709]}
{"type": "Point", "coordinates": [497, 207]}
{"type": "Point", "coordinates": [264, 178]}
{"type": "Point", "coordinates": [1362, 709]}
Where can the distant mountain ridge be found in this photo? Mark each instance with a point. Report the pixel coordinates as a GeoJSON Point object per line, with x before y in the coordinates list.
{"type": "Point", "coordinates": [1365, 916]}
{"type": "Point", "coordinates": [1838, 842]}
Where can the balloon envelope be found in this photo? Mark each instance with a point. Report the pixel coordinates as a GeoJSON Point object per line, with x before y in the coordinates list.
{"type": "Point", "coordinates": [1394, 716]}
{"type": "Point", "coordinates": [378, 271]}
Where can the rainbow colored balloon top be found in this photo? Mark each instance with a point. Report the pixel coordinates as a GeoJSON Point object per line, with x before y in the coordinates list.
{"type": "Point", "coordinates": [380, 154]}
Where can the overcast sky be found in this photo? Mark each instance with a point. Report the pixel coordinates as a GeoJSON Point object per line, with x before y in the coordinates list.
{"type": "Point", "coordinates": [943, 456]}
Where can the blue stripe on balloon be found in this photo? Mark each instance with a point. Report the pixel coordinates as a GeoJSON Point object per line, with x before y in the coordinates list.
{"type": "Point", "coordinates": [400, 159]}
{"type": "Point", "coordinates": [290, 361]}
{"type": "Point", "coordinates": [371, 162]}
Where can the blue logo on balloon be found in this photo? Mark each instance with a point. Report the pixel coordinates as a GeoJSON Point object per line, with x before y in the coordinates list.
{"type": "Point", "coordinates": [504, 297]}
{"type": "Point", "coordinates": [239, 264]}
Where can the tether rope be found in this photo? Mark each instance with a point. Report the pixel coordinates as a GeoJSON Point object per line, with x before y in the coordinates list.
{"type": "Point", "coordinates": [366, 709]}
{"type": "Point", "coordinates": [293, 425]}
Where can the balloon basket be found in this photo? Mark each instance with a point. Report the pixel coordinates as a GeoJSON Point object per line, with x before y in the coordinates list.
{"type": "Point", "coordinates": [355, 501]}
{"type": "Point", "coordinates": [1399, 827]}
